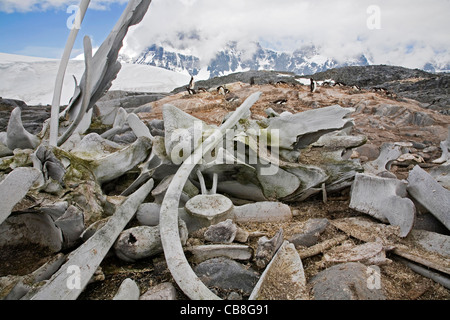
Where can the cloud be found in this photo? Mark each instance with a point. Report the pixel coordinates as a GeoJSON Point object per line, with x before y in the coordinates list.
{"type": "Point", "coordinates": [410, 33]}
{"type": "Point", "coordinates": [11, 6]}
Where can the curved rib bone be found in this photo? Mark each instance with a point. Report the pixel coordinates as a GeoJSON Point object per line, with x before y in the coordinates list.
{"type": "Point", "coordinates": [60, 77]}
{"type": "Point", "coordinates": [86, 91]}
{"type": "Point", "coordinates": [177, 263]}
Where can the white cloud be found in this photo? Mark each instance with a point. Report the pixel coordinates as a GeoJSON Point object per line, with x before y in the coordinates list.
{"type": "Point", "coordinates": [11, 6]}
{"type": "Point", "coordinates": [412, 32]}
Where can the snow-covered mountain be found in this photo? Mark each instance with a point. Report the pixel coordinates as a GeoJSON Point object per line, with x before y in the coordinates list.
{"type": "Point", "coordinates": [32, 80]}
{"type": "Point", "coordinates": [304, 61]}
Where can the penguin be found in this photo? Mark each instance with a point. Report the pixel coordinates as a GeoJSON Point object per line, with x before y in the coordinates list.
{"type": "Point", "coordinates": [222, 90]}
{"type": "Point", "coordinates": [190, 91]}
{"type": "Point", "coordinates": [191, 87]}
{"type": "Point", "coordinates": [313, 86]}
{"type": "Point", "coordinates": [339, 84]}
{"type": "Point", "coordinates": [252, 81]}
{"type": "Point", "coordinates": [192, 83]}
{"type": "Point", "coordinates": [281, 101]}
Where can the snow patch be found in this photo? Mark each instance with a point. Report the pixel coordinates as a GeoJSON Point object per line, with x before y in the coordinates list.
{"type": "Point", "coordinates": [32, 80]}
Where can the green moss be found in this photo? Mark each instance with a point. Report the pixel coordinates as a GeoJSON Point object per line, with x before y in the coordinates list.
{"type": "Point", "coordinates": [78, 170]}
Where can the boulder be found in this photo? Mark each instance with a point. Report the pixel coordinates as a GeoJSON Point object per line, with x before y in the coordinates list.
{"type": "Point", "coordinates": [71, 224]}
{"type": "Point", "coordinates": [223, 232]}
{"type": "Point", "coordinates": [348, 281]}
{"type": "Point", "coordinates": [165, 291]}
{"type": "Point", "coordinates": [227, 275]}
{"type": "Point", "coordinates": [31, 229]}
{"type": "Point", "coordinates": [128, 290]}
{"type": "Point", "coordinates": [312, 230]}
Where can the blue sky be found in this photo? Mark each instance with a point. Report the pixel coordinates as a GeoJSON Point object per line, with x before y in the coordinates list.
{"type": "Point", "coordinates": [407, 33]}
{"type": "Point", "coordinates": [43, 33]}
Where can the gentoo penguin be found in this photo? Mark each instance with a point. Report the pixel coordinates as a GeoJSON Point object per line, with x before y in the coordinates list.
{"type": "Point", "coordinates": [313, 86]}
{"type": "Point", "coordinates": [281, 101]}
{"type": "Point", "coordinates": [222, 90]}
{"type": "Point", "coordinates": [252, 81]}
{"type": "Point", "coordinates": [191, 87]}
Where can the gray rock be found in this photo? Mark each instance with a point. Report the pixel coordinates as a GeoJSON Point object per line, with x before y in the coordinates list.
{"type": "Point", "coordinates": [370, 151]}
{"type": "Point", "coordinates": [148, 214]}
{"type": "Point", "coordinates": [29, 228]}
{"type": "Point", "coordinates": [14, 187]}
{"type": "Point", "coordinates": [227, 274]}
{"type": "Point", "coordinates": [310, 236]}
{"type": "Point", "coordinates": [267, 248]}
{"type": "Point", "coordinates": [347, 281]}
{"type": "Point", "coordinates": [223, 232]}
{"type": "Point", "coordinates": [55, 210]}
{"type": "Point", "coordinates": [71, 224]}
{"type": "Point", "coordinates": [427, 221]}
{"type": "Point", "coordinates": [164, 291]}
{"type": "Point", "coordinates": [234, 296]}
{"type": "Point", "coordinates": [128, 290]}
{"type": "Point", "coordinates": [4, 150]}
{"type": "Point", "coordinates": [430, 194]}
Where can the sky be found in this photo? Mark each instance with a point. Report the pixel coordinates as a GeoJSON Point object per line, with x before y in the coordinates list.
{"type": "Point", "coordinates": [401, 32]}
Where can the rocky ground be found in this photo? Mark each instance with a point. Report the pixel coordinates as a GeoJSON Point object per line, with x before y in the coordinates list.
{"type": "Point", "coordinates": [381, 116]}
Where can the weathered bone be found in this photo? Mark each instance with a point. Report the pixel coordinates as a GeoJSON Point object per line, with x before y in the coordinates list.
{"type": "Point", "coordinates": [445, 147]}
{"type": "Point", "coordinates": [388, 153]}
{"type": "Point", "coordinates": [17, 136]}
{"type": "Point", "coordinates": [308, 126]}
{"type": "Point", "coordinates": [14, 187]}
{"type": "Point", "coordinates": [88, 256]}
{"type": "Point", "coordinates": [105, 64]}
{"type": "Point", "coordinates": [179, 267]}
{"type": "Point", "coordinates": [118, 163]}
{"type": "Point", "coordinates": [86, 92]}
{"type": "Point", "coordinates": [54, 120]}
{"type": "Point", "coordinates": [384, 199]}
{"type": "Point", "coordinates": [430, 194]}
{"type": "Point", "coordinates": [139, 128]}
{"type": "Point", "coordinates": [231, 251]}
{"type": "Point", "coordinates": [286, 265]}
